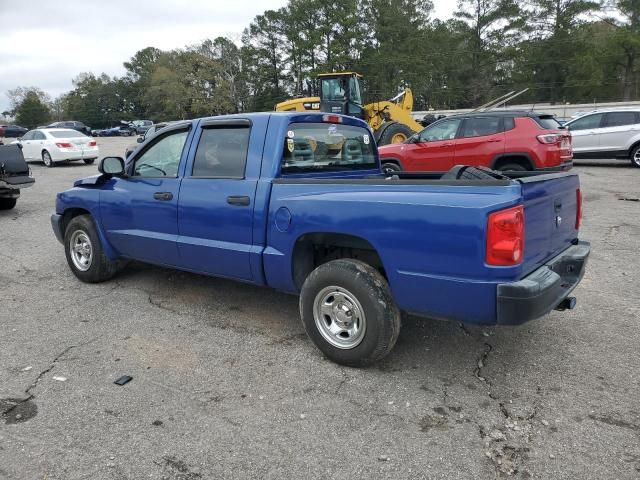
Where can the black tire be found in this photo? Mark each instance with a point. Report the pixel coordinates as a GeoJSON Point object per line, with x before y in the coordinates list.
{"type": "Point", "coordinates": [635, 156]}
{"type": "Point", "coordinates": [100, 268]}
{"type": "Point", "coordinates": [47, 160]}
{"type": "Point", "coordinates": [390, 167]}
{"type": "Point", "coordinates": [8, 203]}
{"type": "Point", "coordinates": [394, 131]}
{"type": "Point", "coordinates": [512, 167]}
{"type": "Point", "coordinates": [371, 291]}
{"type": "Point", "coordinates": [89, 161]}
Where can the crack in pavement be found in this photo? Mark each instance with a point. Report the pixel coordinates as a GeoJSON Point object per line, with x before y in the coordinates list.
{"type": "Point", "coordinates": [481, 362]}
{"type": "Point", "coordinates": [34, 384]}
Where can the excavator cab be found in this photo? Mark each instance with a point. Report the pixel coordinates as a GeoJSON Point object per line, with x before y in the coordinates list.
{"type": "Point", "coordinates": [341, 93]}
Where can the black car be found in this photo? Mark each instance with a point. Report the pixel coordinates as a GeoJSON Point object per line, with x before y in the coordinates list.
{"type": "Point", "coordinates": [79, 126]}
{"type": "Point", "coordinates": [12, 131]}
{"type": "Point", "coordinates": [148, 133]}
{"type": "Point", "coordinates": [142, 126]}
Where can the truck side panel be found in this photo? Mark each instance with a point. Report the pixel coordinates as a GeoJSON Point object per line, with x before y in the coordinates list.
{"type": "Point", "coordinates": [432, 248]}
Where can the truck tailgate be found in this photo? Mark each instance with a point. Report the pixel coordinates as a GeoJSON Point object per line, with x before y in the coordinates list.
{"type": "Point", "coordinates": [550, 206]}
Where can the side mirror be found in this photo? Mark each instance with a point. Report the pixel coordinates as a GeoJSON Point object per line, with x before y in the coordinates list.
{"type": "Point", "coordinates": [140, 139]}
{"type": "Point", "coordinates": [111, 166]}
{"type": "Point", "coordinates": [19, 139]}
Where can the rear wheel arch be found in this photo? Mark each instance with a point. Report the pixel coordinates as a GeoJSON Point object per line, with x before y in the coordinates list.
{"type": "Point", "coordinates": [314, 249]}
{"type": "Point", "coordinates": [522, 159]}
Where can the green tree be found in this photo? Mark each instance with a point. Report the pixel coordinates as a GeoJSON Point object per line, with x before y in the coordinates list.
{"type": "Point", "coordinates": [32, 111]}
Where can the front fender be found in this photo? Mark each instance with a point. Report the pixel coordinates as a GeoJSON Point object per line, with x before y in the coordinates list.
{"type": "Point", "coordinates": [81, 201]}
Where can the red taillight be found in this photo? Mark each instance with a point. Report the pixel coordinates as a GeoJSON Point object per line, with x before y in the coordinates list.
{"type": "Point", "coordinates": [578, 208]}
{"type": "Point", "coordinates": [64, 145]}
{"type": "Point", "coordinates": [550, 138]}
{"type": "Point", "coordinates": [92, 143]}
{"type": "Point", "coordinates": [332, 118]}
{"type": "Point", "coordinates": [505, 237]}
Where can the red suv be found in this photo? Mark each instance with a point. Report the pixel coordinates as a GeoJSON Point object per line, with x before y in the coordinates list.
{"type": "Point", "coordinates": [506, 140]}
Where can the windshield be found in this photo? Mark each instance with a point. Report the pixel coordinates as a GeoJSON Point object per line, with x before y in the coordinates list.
{"type": "Point", "coordinates": [333, 89]}
{"type": "Point", "coordinates": [66, 134]}
{"type": "Point", "coordinates": [549, 122]}
{"type": "Point", "coordinates": [327, 147]}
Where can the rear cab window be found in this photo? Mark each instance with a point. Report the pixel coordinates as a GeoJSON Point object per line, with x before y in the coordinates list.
{"type": "Point", "coordinates": [327, 147]}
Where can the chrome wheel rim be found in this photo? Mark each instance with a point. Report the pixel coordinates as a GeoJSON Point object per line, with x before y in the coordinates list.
{"type": "Point", "coordinates": [46, 158]}
{"type": "Point", "coordinates": [81, 250]}
{"type": "Point", "coordinates": [636, 157]}
{"type": "Point", "coordinates": [339, 317]}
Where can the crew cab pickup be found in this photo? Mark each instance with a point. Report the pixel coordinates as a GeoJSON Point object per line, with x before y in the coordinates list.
{"type": "Point", "coordinates": [299, 203]}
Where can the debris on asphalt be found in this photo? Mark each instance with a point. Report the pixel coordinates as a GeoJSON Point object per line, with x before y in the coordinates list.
{"type": "Point", "coordinates": [26, 369]}
{"type": "Point", "coordinates": [303, 416]}
{"type": "Point", "coordinates": [60, 378]}
{"type": "Point", "coordinates": [384, 458]}
{"type": "Point", "coordinates": [123, 380]}
{"type": "Point", "coordinates": [157, 423]}
{"type": "Point", "coordinates": [545, 423]}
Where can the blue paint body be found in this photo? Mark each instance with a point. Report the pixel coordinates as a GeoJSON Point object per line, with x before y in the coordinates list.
{"type": "Point", "coordinates": [430, 237]}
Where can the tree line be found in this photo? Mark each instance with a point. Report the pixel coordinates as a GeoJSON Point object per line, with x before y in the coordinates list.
{"type": "Point", "coordinates": [562, 50]}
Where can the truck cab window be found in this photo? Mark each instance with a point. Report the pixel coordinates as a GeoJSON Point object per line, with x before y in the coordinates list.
{"type": "Point", "coordinates": [222, 153]}
{"type": "Point", "coordinates": [162, 158]}
{"type": "Point", "coordinates": [327, 147]}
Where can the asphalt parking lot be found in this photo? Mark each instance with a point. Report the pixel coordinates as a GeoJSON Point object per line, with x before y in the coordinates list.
{"type": "Point", "coordinates": [226, 384]}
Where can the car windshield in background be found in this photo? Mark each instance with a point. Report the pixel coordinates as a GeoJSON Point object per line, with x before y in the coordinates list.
{"type": "Point", "coordinates": [548, 122]}
{"type": "Point", "coordinates": [327, 147]}
{"type": "Point", "coordinates": [66, 134]}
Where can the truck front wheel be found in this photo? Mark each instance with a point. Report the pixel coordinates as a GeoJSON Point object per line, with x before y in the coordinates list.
{"type": "Point", "coordinates": [84, 252]}
{"type": "Point", "coordinates": [348, 312]}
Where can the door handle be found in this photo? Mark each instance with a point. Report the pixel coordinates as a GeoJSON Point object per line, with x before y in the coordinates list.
{"type": "Point", "coordinates": [494, 140]}
{"type": "Point", "coordinates": [446, 145]}
{"type": "Point", "coordinates": [163, 196]}
{"type": "Point", "coordinates": [238, 200]}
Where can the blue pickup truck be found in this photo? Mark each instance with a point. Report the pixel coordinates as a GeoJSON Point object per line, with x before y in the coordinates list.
{"type": "Point", "coordinates": [298, 203]}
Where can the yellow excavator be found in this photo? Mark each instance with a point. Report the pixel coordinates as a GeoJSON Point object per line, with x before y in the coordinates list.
{"type": "Point", "coordinates": [340, 92]}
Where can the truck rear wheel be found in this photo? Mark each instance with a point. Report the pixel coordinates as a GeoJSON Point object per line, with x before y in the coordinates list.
{"type": "Point", "coordinates": [84, 252]}
{"type": "Point", "coordinates": [348, 312]}
{"type": "Point", "coordinates": [395, 133]}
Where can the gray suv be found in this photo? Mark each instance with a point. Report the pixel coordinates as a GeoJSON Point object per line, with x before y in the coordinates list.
{"type": "Point", "coordinates": [613, 133]}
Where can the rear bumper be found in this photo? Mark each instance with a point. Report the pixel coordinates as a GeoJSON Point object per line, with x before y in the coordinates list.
{"type": "Point", "coordinates": [543, 290]}
{"type": "Point", "coordinates": [563, 167]}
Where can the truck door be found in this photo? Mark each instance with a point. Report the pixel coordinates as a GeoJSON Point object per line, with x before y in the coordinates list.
{"type": "Point", "coordinates": [140, 211]}
{"type": "Point", "coordinates": [215, 209]}
{"type": "Point", "coordinates": [481, 140]}
{"type": "Point", "coordinates": [434, 149]}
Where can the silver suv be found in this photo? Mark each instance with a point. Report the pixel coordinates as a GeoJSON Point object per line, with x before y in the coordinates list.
{"type": "Point", "coordinates": [603, 134]}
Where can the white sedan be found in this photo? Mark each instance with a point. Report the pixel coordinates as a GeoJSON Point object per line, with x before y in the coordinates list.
{"type": "Point", "coordinates": [53, 145]}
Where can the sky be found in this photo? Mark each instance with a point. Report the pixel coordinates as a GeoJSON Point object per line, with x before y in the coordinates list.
{"type": "Point", "coordinates": [49, 43]}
